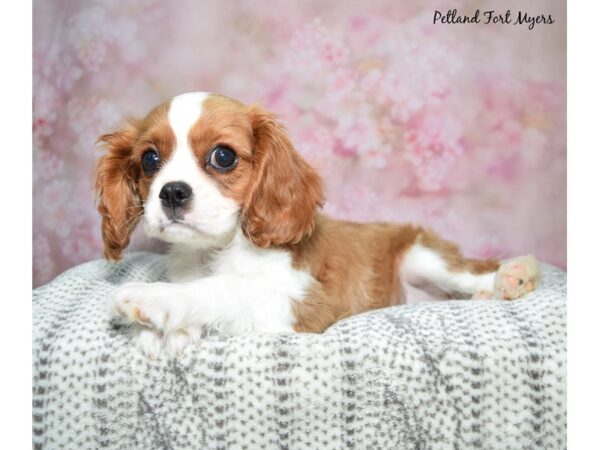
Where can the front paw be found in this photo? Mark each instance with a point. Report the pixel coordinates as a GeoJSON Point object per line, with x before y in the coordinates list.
{"type": "Point", "coordinates": [162, 317]}
{"type": "Point", "coordinates": [141, 303]}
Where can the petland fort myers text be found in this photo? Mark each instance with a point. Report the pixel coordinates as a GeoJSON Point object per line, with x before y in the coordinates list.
{"type": "Point", "coordinates": [493, 17]}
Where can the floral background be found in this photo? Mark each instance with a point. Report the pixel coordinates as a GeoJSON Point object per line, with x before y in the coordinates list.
{"type": "Point", "coordinates": [459, 127]}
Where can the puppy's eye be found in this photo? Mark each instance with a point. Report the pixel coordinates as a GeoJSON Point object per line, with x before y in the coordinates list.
{"type": "Point", "coordinates": [150, 161]}
{"type": "Point", "coordinates": [223, 158]}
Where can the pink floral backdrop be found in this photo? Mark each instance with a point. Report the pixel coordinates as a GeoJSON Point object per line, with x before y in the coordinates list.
{"type": "Point", "coordinates": [459, 127]}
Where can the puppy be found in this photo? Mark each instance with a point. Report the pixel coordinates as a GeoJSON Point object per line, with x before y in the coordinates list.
{"type": "Point", "coordinates": [250, 251]}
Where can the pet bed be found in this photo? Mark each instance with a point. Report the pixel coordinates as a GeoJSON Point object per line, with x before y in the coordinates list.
{"type": "Point", "coordinates": [437, 375]}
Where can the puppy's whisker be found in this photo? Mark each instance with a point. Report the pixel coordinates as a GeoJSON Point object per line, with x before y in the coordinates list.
{"type": "Point", "coordinates": [132, 221]}
{"type": "Point", "coordinates": [129, 224]}
{"type": "Point", "coordinates": [242, 223]}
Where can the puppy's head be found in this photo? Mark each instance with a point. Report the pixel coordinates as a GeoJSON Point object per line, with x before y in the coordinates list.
{"type": "Point", "coordinates": [199, 167]}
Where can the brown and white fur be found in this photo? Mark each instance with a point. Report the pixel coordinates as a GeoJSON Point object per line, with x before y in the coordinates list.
{"type": "Point", "coordinates": [250, 250]}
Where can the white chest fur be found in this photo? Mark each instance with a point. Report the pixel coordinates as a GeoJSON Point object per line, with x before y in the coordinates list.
{"type": "Point", "coordinates": [257, 285]}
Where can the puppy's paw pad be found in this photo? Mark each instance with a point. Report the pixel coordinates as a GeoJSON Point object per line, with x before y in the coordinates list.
{"type": "Point", "coordinates": [516, 278]}
{"type": "Point", "coordinates": [134, 303]}
{"type": "Point", "coordinates": [131, 312]}
{"type": "Point", "coordinates": [483, 295]}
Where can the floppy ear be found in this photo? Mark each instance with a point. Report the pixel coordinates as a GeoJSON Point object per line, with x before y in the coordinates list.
{"type": "Point", "coordinates": [118, 200]}
{"type": "Point", "coordinates": [286, 192]}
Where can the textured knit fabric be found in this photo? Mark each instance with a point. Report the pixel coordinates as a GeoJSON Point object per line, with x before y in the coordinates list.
{"type": "Point", "coordinates": [437, 375]}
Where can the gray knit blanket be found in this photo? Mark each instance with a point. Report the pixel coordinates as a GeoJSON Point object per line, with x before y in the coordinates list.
{"type": "Point", "coordinates": [438, 375]}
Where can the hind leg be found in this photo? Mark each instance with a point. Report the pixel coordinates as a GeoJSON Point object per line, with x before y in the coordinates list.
{"type": "Point", "coordinates": [435, 265]}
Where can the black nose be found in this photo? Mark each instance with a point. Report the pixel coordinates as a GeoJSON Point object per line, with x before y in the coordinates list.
{"type": "Point", "coordinates": [175, 194]}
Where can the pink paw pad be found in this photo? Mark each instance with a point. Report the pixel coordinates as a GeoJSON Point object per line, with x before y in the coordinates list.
{"type": "Point", "coordinates": [133, 312]}
{"type": "Point", "coordinates": [517, 277]}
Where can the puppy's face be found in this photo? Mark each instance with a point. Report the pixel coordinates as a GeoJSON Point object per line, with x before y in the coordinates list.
{"type": "Point", "coordinates": [195, 161]}
{"type": "Point", "coordinates": [199, 167]}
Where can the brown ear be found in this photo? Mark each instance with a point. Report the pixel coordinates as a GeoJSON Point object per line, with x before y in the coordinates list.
{"type": "Point", "coordinates": [116, 191]}
{"type": "Point", "coordinates": [286, 192]}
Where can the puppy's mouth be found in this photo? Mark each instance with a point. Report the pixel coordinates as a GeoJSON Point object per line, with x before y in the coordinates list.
{"type": "Point", "coordinates": [178, 223]}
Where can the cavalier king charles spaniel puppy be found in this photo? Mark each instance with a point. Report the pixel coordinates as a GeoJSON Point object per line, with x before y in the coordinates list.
{"type": "Point", "coordinates": [250, 252]}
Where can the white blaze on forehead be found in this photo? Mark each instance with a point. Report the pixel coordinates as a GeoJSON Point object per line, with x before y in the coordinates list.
{"type": "Point", "coordinates": [184, 111]}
